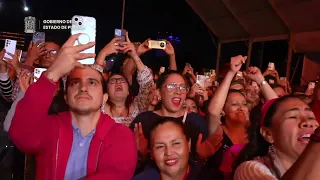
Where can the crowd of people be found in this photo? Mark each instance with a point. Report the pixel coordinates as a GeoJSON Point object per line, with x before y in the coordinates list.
{"type": "Point", "coordinates": [82, 122]}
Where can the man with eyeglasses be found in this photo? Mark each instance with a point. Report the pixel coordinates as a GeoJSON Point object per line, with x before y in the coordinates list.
{"type": "Point", "coordinates": [50, 52]}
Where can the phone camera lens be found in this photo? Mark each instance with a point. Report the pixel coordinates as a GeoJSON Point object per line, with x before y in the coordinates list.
{"type": "Point", "coordinates": [80, 23]}
{"type": "Point", "coordinates": [76, 19]}
{"type": "Point", "coordinates": [162, 44]}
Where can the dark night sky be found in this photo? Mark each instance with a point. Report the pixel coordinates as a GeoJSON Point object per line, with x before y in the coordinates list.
{"type": "Point", "coordinates": [143, 19]}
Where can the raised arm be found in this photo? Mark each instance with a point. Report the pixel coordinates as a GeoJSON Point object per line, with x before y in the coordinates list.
{"type": "Point", "coordinates": [254, 73]}
{"type": "Point", "coordinates": [217, 102]}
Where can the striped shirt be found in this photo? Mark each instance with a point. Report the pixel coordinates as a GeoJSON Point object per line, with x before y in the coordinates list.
{"type": "Point", "coordinates": [6, 87]}
{"type": "Point", "coordinates": [253, 170]}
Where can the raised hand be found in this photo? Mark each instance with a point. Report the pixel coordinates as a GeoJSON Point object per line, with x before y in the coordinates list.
{"type": "Point", "coordinates": [129, 47]}
{"type": "Point", "coordinates": [25, 80]}
{"type": "Point", "coordinates": [141, 141]}
{"type": "Point", "coordinates": [169, 49]}
{"type": "Point", "coordinates": [110, 48]}
{"type": "Point", "coordinates": [209, 146]}
{"type": "Point", "coordinates": [254, 74]}
{"type": "Point", "coordinates": [34, 52]}
{"type": "Point", "coordinates": [236, 63]}
{"type": "Point", "coordinates": [13, 62]}
{"type": "Point", "coordinates": [68, 58]}
{"type": "Point", "coordinates": [144, 47]}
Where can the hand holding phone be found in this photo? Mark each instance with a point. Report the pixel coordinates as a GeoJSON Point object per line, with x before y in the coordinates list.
{"type": "Point", "coordinates": [121, 33]}
{"type": "Point", "coordinates": [86, 26]}
{"type": "Point", "coordinates": [9, 46]}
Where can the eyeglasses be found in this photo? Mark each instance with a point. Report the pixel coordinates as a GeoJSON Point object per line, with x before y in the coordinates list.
{"type": "Point", "coordinates": [115, 80]}
{"type": "Point", "coordinates": [174, 87]}
{"type": "Point", "coordinates": [51, 52]}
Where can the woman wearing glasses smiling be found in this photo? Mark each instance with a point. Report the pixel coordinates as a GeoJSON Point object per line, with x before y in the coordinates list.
{"type": "Point", "coordinates": [172, 91]}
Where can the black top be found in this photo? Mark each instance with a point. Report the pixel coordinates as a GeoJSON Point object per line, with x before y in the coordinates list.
{"type": "Point", "coordinates": [214, 161]}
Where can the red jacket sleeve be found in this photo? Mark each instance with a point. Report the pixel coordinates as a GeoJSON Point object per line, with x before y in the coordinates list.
{"type": "Point", "coordinates": [31, 123]}
{"type": "Point", "coordinates": [120, 160]}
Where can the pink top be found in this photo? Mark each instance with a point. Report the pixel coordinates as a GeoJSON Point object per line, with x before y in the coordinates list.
{"type": "Point", "coordinates": [229, 157]}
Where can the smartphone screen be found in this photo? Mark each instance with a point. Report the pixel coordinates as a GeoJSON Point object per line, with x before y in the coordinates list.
{"type": "Point", "coordinates": [201, 79]}
{"type": "Point", "coordinates": [120, 33]}
{"type": "Point", "coordinates": [271, 66]}
{"type": "Point", "coordinates": [10, 46]}
{"type": "Point", "coordinates": [38, 36]}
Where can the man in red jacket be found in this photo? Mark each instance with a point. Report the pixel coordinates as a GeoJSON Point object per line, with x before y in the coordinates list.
{"type": "Point", "coordinates": [82, 143]}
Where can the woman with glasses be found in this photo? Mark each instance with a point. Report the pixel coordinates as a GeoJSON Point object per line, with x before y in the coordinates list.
{"type": "Point", "coordinates": [119, 105]}
{"type": "Point", "coordinates": [172, 91]}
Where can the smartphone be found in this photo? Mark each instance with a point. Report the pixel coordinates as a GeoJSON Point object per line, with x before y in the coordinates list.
{"type": "Point", "coordinates": [120, 33]}
{"type": "Point", "coordinates": [10, 46]}
{"type": "Point", "coordinates": [37, 73]}
{"type": "Point", "coordinates": [271, 66]}
{"type": "Point", "coordinates": [39, 36]}
{"type": "Point", "coordinates": [154, 44]}
{"type": "Point", "coordinates": [201, 79]}
{"type": "Point", "coordinates": [282, 78]}
{"type": "Point", "coordinates": [19, 54]}
{"type": "Point", "coordinates": [87, 27]}
{"type": "Point", "coordinates": [188, 65]}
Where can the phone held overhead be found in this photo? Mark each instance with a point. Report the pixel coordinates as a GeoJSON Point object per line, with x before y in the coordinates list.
{"type": "Point", "coordinates": [86, 26]}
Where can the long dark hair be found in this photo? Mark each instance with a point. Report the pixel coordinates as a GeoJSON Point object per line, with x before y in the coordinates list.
{"type": "Point", "coordinates": [257, 145]}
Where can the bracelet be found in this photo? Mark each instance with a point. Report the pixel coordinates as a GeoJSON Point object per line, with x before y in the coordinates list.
{"type": "Point", "coordinates": [97, 67]}
{"type": "Point", "coordinates": [263, 83]}
{"type": "Point", "coordinates": [315, 138]}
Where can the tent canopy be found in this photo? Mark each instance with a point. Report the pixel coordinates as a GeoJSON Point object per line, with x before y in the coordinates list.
{"type": "Point", "coordinates": [263, 20]}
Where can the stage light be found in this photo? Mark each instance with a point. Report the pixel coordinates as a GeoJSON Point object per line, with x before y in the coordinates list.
{"type": "Point", "coordinates": [26, 8]}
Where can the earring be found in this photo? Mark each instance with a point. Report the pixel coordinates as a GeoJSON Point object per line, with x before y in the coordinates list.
{"type": "Point", "coordinates": [159, 98]}
{"type": "Point", "coordinates": [102, 109]}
